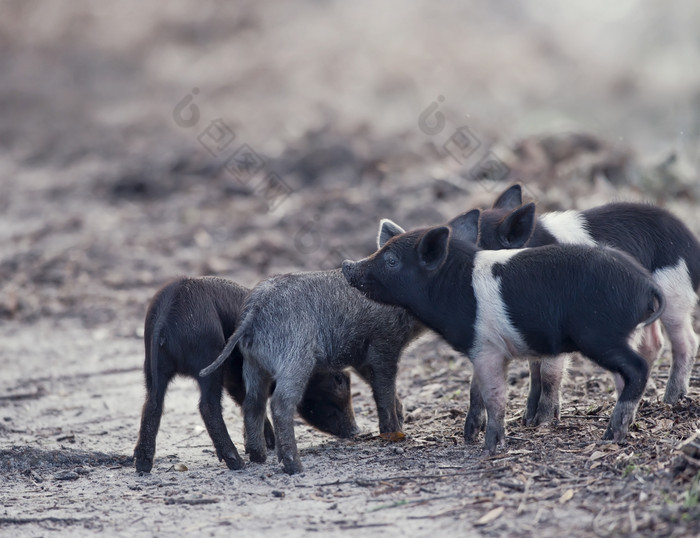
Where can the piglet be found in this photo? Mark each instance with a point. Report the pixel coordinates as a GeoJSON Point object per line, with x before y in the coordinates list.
{"type": "Point", "coordinates": [657, 239]}
{"type": "Point", "coordinates": [297, 325]}
{"type": "Point", "coordinates": [494, 305]}
{"type": "Point", "coordinates": [187, 324]}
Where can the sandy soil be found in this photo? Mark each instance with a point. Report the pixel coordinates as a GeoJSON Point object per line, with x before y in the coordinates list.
{"type": "Point", "coordinates": [116, 130]}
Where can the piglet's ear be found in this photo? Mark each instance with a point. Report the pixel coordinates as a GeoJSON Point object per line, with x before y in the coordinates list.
{"type": "Point", "coordinates": [387, 230]}
{"type": "Point", "coordinates": [511, 198]}
{"type": "Point", "coordinates": [515, 230]}
{"type": "Point", "coordinates": [465, 227]}
{"type": "Point", "coordinates": [432, 247]}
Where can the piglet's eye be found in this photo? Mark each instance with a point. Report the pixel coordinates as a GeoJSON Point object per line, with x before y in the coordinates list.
{"type": "Point", "coordinates": [391, 260]}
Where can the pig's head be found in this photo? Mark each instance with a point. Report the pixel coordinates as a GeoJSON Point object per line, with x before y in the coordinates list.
{"type": "Point", "coordinates": [509, 223]}
{"type": "Point", "coordinates": [327, 404]}
{"type": "Point", "coordinates": [405, 269]}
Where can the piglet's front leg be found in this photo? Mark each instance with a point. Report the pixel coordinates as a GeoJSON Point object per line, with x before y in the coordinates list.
{"type": "Point", "coordinates": [545, 389]}
{"type": "Point", "coordinates": [490, 371]}
{"type": "Point", "coordinates": [381, 372]}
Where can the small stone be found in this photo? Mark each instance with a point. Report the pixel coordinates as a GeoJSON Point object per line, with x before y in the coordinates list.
{"type": "Point", "coordinates": [181, 467]}
{"type": "Point", "coordinates": [277, 493]}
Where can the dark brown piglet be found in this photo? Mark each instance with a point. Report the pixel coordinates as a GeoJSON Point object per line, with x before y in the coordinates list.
{"type": "Point", "coordinates": [187, 325]}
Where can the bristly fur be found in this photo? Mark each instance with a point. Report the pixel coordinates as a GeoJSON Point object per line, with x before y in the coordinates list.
{"type": "Point", "coordinates": [294, 325]}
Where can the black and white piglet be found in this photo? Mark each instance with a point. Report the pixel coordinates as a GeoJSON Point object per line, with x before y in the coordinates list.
{"type": "Point", "coordinates": [187, 324]}
{"type": "Point", "coordinates": [658, 240]}
{"type": "Point", "coordinates": [296, 325]}
{"type": "Point", "coordinates": [494, 305]}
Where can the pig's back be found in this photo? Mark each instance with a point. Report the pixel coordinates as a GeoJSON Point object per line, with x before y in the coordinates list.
{"type": "Point", "coordinates": [560, 289]}
{"type": "Point", "coordinates": [319, 309]}
{"type": "Point", "coordinates": [652, 235]}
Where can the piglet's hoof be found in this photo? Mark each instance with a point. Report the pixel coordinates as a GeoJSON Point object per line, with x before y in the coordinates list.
{"type": "Point", "coordinates": [143, 467]}
{"type": "Point", "coordinates": [292, 466]}
{"type": "Point", "coordinates": [673, 396]}
{"type": "Point", "coordinates": [541, 419]}
{"type": "Point", "coordinates": [257, 456]}
{"type": "Point", "coordinates": [492, 450]}
{"type": "Point", "coordinates": [614, 436]}
{"type": "Point", "coordinates": [494, 440]}
{"type": "Point", "coordinates": [393, 437]}
{"type": "Point", "coordinates": [234, 462]}
{"type": "Point", "coordinates": [349, 433]}
{"type": "Point", "coordinates": [472, 427]}
{"type": "Point", "coordinates": [144, 463]}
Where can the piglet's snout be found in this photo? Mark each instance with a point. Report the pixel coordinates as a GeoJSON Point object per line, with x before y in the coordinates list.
{"type": "Point", "coordinates": [349, 272]}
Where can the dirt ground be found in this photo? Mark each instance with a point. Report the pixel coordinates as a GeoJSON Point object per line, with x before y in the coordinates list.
{"type": "Point", "coordinates": [143, 140]}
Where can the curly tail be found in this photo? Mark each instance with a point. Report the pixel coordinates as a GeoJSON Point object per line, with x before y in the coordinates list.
{"type": "Point", "coordinates": [658, 309]}
{"type": "Point", "coordinates": [228, 348]}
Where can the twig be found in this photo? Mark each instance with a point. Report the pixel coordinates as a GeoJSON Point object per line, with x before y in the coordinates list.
{"type": "Point", "coordinates": [360, 525]}
{"type": "Point", "coordinates": [192, 500]}
{"type": "Point", "coordinates": [585, 416]}
{"type": "Point", "coordinates": [517, 486]}
{"type": "Point", "coordinates": [28, 520]}
{"type": "Point", "coordinates": [38, 393]}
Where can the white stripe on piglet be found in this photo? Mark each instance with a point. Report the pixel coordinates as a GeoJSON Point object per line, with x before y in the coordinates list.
{"type": "Point", "coordinates": [567, 227]}
{"type": "Point", "coordinates": [493, 327]}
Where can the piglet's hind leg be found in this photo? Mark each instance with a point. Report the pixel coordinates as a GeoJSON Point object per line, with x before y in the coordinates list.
{"type": "Point", "coordinates": [289, 391]}
{"type": "Point", "coordinates": [257, 390]}
{"type": "Point", "coordinates": [552, 373]}
{"type": "Point", "coordinates": [145, 449]}
{"type": "Point", "coordinates": [210, 409]}
{"type": "Point", "coordinates": [684, 348]}
{"type": "Point", "coordinates": [634, 370]}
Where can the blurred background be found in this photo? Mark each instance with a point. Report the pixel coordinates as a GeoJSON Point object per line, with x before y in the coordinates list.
{"type": "Point", "coordinates": [141, 140]}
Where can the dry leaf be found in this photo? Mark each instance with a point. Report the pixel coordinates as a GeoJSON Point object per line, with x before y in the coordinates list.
{"type": "Point", "coordinates": [663, 424]}
{"type": "Point", "coordinates": [596, 455]}
{"type": "Point", "coordinates": [393, 436]}
{"type": "Point", "coordinates": [566, 496]}
{"type": "Point", "coordinates": [180, 467]}
{"type": "Point", "coordinates": [490, 516]}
